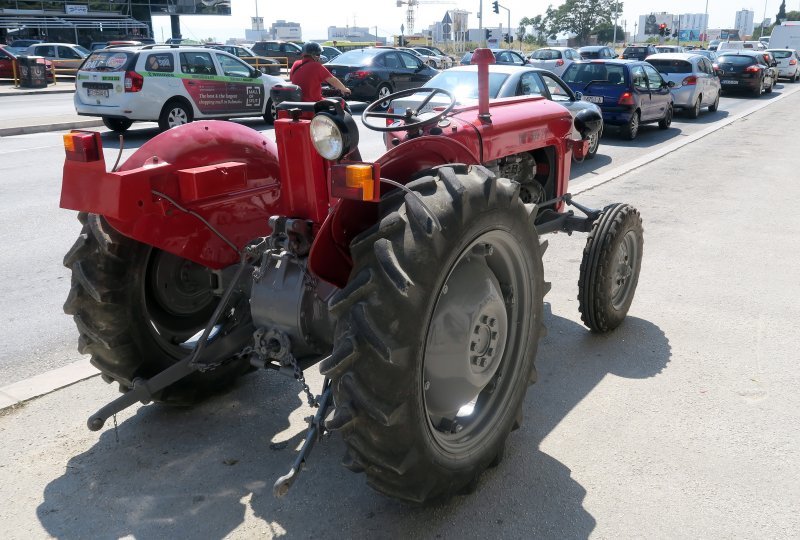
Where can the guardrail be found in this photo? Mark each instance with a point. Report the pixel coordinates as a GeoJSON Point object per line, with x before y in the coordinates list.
{"type": "Point", "coordinates": [256, 62]}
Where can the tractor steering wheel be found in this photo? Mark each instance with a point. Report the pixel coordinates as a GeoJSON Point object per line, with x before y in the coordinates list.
{"type": "Point", "coordinates": [410, 119]}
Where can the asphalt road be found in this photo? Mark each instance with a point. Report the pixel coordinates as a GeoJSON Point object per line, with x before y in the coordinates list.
{"type": "Point", "coordinates": [680, 424]}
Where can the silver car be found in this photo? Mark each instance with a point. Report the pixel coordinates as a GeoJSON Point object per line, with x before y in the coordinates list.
{"type": "Point", "coordinates": [504, 82]}
{"type": "Point", "coordinates": [788, 63]}
{"type": "Point", "coordinates": [696, 82]}
{"type": "Point", "coordinates": [555, 59]}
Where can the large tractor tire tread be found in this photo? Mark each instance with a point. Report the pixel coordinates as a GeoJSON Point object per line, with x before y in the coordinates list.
{"type": "Point", "coordinates": [597, 267]}
{"type": "Point", "coordinates": [102, 297]}
{"type": "Point", "coordinates": [374, 368]}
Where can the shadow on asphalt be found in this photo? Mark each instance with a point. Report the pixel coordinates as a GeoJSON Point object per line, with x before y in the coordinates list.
{"type": "Point", "coordinates": [200, 472]}
{"type": "Point", "coordinates": [649, 135]}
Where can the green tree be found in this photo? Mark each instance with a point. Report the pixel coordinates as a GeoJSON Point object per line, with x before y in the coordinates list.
{"type": "Point", "coordinates": [781, 16]}
{"type": "Point", "coordinates": [605, 32]}
{"type": "Point", "coordinates": [538, 33]}
{"type": "Point", "coordinates": [580, 17]}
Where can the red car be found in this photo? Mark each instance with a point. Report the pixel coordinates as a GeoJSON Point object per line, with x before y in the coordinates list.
{"type": "Point", "coordinates": [7, 72]}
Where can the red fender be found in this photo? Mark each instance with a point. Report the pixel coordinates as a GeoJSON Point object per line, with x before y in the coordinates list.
{"type": "Point", "coordinates": [229, 175]}
{"type": "Point", "coordinates": [330, 255]}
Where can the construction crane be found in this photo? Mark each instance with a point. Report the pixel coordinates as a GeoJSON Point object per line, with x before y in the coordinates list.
{"type": "Point", "coordinates": [412, 6]}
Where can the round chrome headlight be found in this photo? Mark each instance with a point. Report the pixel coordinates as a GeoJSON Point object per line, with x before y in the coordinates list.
{"type": "Point", "coordinates": [327, 137]}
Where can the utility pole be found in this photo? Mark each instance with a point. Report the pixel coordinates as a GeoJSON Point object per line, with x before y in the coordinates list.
{"type": "Point", "coordinates": [705, 25]}
{"type": "Point", "coordinates": [616, 14]}
{"type": "Point", "coordinates": [480, 24]}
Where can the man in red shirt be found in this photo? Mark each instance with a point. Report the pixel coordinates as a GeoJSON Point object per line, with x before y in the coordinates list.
{"type": "Point", "coordinates": [309, 74]}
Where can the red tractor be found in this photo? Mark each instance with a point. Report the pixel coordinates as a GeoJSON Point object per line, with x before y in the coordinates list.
{"type": "Point", "coordinates": [415, 281]}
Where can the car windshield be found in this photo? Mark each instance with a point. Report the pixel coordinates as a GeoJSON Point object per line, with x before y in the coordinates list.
{"type": "Point", "coordinates": [359, 57]}
{"type": "Point", "coordinates": [84, 50]}
{"type": "Point", "coordinates": [464, 84]}
{"type": "Point", "coordinates": [781, 54]}
{"type": "Point", "coordinates": [601, 72]}
{"type": "Point", "coordinates": [670, 66]}
{"type": "Point", "coordinates": [636, 50]}
{"type": "Point", "coordinates": [590, 54]}
{"type": "Point", "coordinates": [546, 54]}
{"type": "Point", "coordinates": [736, 60]}
{"type": "Point", "coordinates": [106, 60]}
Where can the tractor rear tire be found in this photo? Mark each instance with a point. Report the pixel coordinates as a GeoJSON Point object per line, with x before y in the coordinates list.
{"type": "Point", "coordinates": [436, 334]}
{"type": "Point", "coordinates": [612, 259]}
{"type": "Point", "coordinates": [118, 300]}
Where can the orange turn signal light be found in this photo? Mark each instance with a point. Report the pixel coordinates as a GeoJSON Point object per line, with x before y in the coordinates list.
{"type": "Point", "coordinates": [83, 146]}
{"type": "Point", "coordinates": [356, 181]}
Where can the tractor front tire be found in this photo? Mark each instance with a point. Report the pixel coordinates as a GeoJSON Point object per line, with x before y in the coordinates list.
{"type": "Point", "coordinates": [436, 334]}
{"type": "Point", "coordinates": [136, 309]}
{"type": "Point", "coordinates": [612, 259]}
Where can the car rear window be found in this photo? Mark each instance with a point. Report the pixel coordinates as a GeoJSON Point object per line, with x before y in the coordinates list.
{"type": "Point", "coordinates": [586, 73]}
{"type": "Point", "coordinates": [671, 66]}
{"type": "Point", "coordinates": [737, 60]}
{"type": "Point", "coordinates": [635, 50]}
{"type": "Point", "coordinates": [546, 54]}
{"type": "Point", "coordinates": [107, 60]}
{"type": "Point", "coordinates": [781, 54]}
{"type": "Point", "coordinates": [464, 84]}
{"type": "Point", "coordinates": [359, 57]}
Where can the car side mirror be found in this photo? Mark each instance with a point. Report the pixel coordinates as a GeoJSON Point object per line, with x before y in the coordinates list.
{"type": "Point", "coordinates": [773, 64]}
{"type": "Point", "coordinates": [254, 73]}
{"type": "Point", "coordinates": [588, 122]}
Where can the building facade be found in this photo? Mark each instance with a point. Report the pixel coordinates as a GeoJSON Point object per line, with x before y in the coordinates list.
{"type": "Point", "coordinates": [744, 22]}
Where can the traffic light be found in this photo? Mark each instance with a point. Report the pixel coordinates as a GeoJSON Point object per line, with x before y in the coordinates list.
{"type": "Point", "coordinates": [488, 33]}
{"type": "Point", "coordinates": [666, 31]}
{"type": "Point", "coordinates": [662, 28]}
{"type": "Point", "coordinates": [509, 38]}
{"type": "Point", "coordinates": [496, 6]}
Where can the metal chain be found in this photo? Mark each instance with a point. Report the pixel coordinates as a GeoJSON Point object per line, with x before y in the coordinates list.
{"type": "Point", "coordinates": [298, 374]}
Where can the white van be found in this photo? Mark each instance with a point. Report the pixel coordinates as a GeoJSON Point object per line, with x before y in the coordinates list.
{"type": "Point", "coordinates": [171, 85]}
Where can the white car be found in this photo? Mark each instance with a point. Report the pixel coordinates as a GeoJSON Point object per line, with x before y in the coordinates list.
{"type": "Point", "coordinates": [171, 85]}
{"type": "Point", "coordinates": [788, 63]}
{"type": "Point", "coordinates": [439, 61]}
{"type": "Point", "coordinates": [555, 59]}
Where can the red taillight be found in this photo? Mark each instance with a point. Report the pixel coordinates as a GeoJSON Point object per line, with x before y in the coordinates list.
{"type": "Point", "coordinates": [691, 80]}
{"type": "Point", "coordinates": [752, 69]}
{"type": "Point", "coordinates": [715, 66]}
{"type": "Point", "coordinates": [626, 99]}
{"type": "Point", "coordinates": [83, 146]}
{"type": "Point", "coordinates": [559, 62]}
{"type": "Point", "coordinates": [359, 74]}
{"type": "Point", "coordinates": [389, 121]}
{"type": "Point", "coordinates": [133, 81]}
{"type": "Point", "coordinates": [792, 62]}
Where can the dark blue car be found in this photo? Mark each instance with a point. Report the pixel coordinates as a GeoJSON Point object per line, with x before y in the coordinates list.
{"type": "Point", "coordinates": [629, 92]}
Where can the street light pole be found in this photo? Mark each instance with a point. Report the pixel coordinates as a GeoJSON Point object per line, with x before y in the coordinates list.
{"type": "Point", "coordinates": [705, 25]}
{"type": "Point", "coordinates": [480, 24]}
{"type": "Point", "coordinates": [616, 14]}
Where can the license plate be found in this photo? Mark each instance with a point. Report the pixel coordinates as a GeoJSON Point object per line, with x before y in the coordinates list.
{"type": "Point", "coordinates": [96, 92]}
{"type": "Point", "coordinates": [729, 82]}
{"type": "Point", "coordinates": [593, 99]}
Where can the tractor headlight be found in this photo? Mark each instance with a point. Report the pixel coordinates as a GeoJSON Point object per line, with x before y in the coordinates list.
{"type": "Point", "coordinates": [333, 136]}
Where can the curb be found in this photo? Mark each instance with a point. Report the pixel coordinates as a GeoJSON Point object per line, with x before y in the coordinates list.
{"type": "Point", "coordinates": [36, 92]}
{"type": "Point", "coordinates": [17, 393]}
{"type": "Point", "coordinates": [42, 128]}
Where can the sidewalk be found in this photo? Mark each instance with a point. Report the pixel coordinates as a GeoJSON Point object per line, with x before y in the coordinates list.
{"type": "Point", "coordinates": [22, 126]}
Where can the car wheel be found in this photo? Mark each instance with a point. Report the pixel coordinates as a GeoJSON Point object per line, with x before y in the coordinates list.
{"type": "Point", "coordinates": [796, 76]}
{"type": "Point", "coordinates": [760, 90]}
{"type": "Point", "coordinates": [665, 122]}
{"type": "Point", "coordinates": [694, 112]}
{"type": "Point", "coordinates": [117, 125]}
{"type": "Point", "coordinates": [383, 91]}
{"type": "Point", "coordinates": [714, 106]}
{"type": "Point", "coordinates": [631, 129]}
{"type": "Point", "coordinates": [594, 144]}
{"type": "Point", "coordinates": [270, 112]}
{"type": "Point", "coordinates": [768, 90]}
{"type": "Point", "coordinates": [175, 113]}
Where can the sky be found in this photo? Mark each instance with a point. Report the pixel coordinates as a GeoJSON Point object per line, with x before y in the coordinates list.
{"type": "Point", "coordinates": [315, 16]}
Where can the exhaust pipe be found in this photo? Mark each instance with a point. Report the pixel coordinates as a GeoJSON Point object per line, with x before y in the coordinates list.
{"type": "Point", "coordinates": [483, 57]}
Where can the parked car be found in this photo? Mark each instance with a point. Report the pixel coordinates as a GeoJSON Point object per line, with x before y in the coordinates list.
{"type": "Point", "coordinates": [374, 73]}
{"type": "Point", "coordinates": [440, 52]}
{"type": "Point", "coordinates": [330, 52]}
{"type": "Point", "coordinates": [600, 52]}
{"type": "Point", "coordinates": [788, 63]}
{"type": "Point", "coordinates": [266, 65]}
{"type": "Point", "coordinates": [669, 49]}
{"type": "Point", "coordinates": [66, 57]}
{"type": "Point", "coordinates": [19, 46]}
{"type": "Point", "coordinates": [440, 61]}
{"type": "Point", "coordinates": [504, 82]}
{"type": "Point", "coordinates": [744, 70]}
{"type": "Point", "coordinates": [629, 92]}
{"type": "Point", "coordinates": [713, 45]}
{"type": "Point", "coordinates": [555, 59]}
{"type": "Point", "coordinates": [501, 56]}
{"type": "Point", "coordinates": [696, 84]}
{"type": "Point", "coordinates": [638, 51]}
{"type": "Point", "coordinates": [281, 50]}
{"type": "Point", "coordinates": [170, 85]}
{"type": "Point", "coordinates": [7, 57]}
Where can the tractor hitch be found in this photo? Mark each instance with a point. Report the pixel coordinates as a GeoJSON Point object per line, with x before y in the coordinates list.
{"type": "Point", "coordinates": [316, 429]}
{"type": "Point", "coordinates": [549, 221]}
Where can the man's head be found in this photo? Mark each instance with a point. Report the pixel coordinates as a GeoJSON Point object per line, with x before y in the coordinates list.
{"type": "Point", "coordinates": [311, 49]}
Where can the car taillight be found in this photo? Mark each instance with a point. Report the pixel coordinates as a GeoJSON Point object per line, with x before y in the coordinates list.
{"type": "Point", "coordinates": [691, 80]}
{"type": "Point", "coordinates": [559, 62]}
{"type": "Point", "coordinates": [792, 62]}
{"type": "Point", "coordinates": [133, 81]}
{"type": "Point", "coordinates": [359, 74]}
{"type": "Point", "coordinates": [626, 99]}
{"type": "Point", "coordinates": [83, 146]}
{"type": "Point", "coordinates": [715, 66]}
{"type": "Point", "coordinates": [752, 69]}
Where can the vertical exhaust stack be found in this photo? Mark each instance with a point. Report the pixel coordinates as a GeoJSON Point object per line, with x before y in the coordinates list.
{"type": "Point", "coordinates": [483, 57]}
